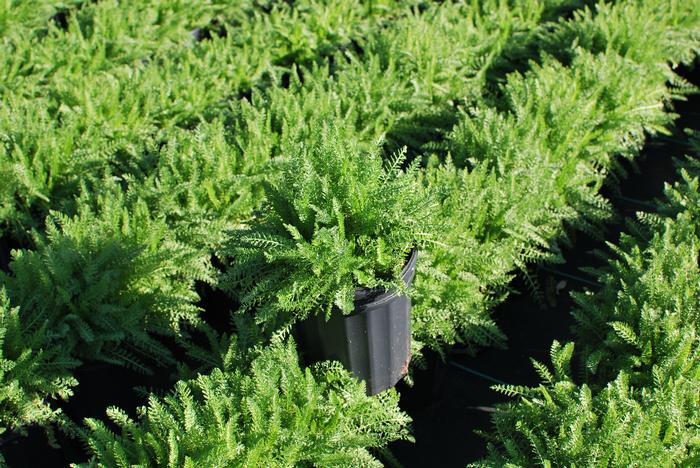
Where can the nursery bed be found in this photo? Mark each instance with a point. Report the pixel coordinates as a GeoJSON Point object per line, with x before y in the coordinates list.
{"type": "Point", "coordinates": [159, 253]}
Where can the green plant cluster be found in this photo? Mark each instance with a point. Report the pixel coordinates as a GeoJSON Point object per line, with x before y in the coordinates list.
{"type": "Point", "coordinates": [268, 412]}
{"type": "Point", "coordinates": [323, 233]}
{"type": "Point", "coordinates": [406, 89]}
{"type": "Point", "coordinates": [638, 344]}
{"type": "Point", "coordinates": [29, 373]}
{"type": "Point", "coordinates": [528, 168]}
{"type": "Point", "coordinates": [95, 130]}
{"type": "Point", "coordinates": [106, 279]}
{"type": "Point", "coordinates": [97, 95]}
{"type": "Point", "coordinates": [305, 148]}
{"type": "Point", "coordinates": [31, 15]}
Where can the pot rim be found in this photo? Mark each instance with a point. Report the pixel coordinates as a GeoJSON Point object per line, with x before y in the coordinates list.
{"type": "Point", "coordinates": [367, 296]}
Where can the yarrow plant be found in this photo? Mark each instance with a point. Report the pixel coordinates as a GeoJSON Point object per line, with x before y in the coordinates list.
{"type": "Point", "coordinates": [269, 412]}
{"type": "Point", "coordinates": [173, 125]}
{"type": "Point", "coordinates": [105, 281]}
{"type": "Point", "coordinates": [30, 373]}
{"type": "Point", "coordinates": [638, 344]}
{"type": "Point", "coordinates": [336, 219]}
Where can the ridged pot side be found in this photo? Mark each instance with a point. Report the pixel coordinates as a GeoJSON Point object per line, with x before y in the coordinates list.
{"type": "Point", "coordinates": [374, 342]}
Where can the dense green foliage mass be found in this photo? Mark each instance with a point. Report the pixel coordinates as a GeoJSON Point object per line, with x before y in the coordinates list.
{"type": "Point", "coordinates": [29, 371]}
{"type": "Point", "coordinates": [101, 282]}
{"type": "Point", "coordinates": [122, 75]}
{"type": "Point", "coordinates": [205, 182]}
{"type": "Point", "coordinates": [270, 412]}
{"type": "Point", "coordinates": [288, 152]}
{"type": "Point", "coordinates": [30, 14]}
{"type": "Point", "coordinates": [638, 339]}
{"type": "Point", "coordinates": [529, 167]}
{"type": "Point", "coordinates": [336, 219]}
{"type": "Point", "coordinates": [124, 125]}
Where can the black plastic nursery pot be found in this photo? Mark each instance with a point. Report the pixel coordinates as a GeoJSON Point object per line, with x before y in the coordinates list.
{"type": "Point", "coordinates": [374, 342]}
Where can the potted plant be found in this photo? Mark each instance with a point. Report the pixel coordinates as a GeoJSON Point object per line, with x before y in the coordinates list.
{"type": "Point", "coordinates": [334, 251]}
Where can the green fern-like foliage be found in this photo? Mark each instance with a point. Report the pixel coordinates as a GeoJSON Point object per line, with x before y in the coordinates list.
{"type": "Point", "coordinates": [208, 181]}
{"type": "Point", "coordinates": [447, 51]}
{"type": "Point", "coordinates": [648, 303]}
{"type": "Point", "coordinates": [520, 179]}
{"type": "Point", "coordinates": [414, 73]}
{"type": "Point", "coordinates": [531, 166]}
{"type": "Point", "coordinates": [122, 76]}
{"type": "Point", "coordinates": [465, 272]}
{"type": "Point", "coordinates": [64, 122]}
{"type": "Point", "coordinates": [628, 324]}
{"type": "Point", "coordinates": [34, 164]}
{"type": "Point", "coordinates": [19, 15]}
{"type": "Point", "coordinates": [101, 282]}
{"type": "Point", "coordinates": [639, 347]}
{"type": "Point", "coordinates": [640, 31]}
{"type": "Point", "coordinates": [98, 37]}
{"type": "Point", "coordinates": [103, 37]}
{"type": "Point", "coordinates": [409, 77]}
{"type": "Point", "coordinates": [336, 219]}
{"type": "Point", "coordinates": [270, 412]}
{"type": "Point", "coordinates": [560, 423]}
{"type": "Point", "coordinates": [32, 372]}
{"type": "Point", "coordinates": [649, 300]}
